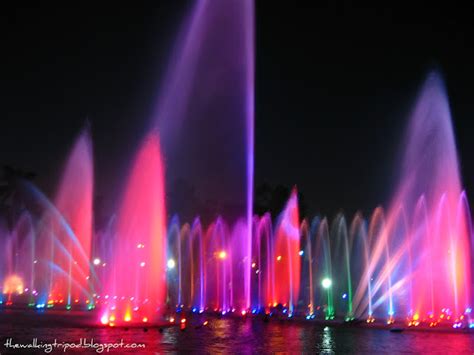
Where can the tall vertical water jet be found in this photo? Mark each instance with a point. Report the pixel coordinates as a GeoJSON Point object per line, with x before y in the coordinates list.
{"type": "Point", "coordinates": [206, 103]}
{"type": "Point", "coordinates": [425, 228]}
{"type": "Point", "coordinates": [74, 200]}
{"type": "Point", "coordinates": [136, 287]}
{"type": "Point", "coordinates": [430, 168]}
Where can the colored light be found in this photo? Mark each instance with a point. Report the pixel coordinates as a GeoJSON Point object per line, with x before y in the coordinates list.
{"type": "Point", "coordinates": [142, 264]}
{"type": "Point", "coordinates": [171, 264]}
{"type": "Point", "coordinates": [326, 283]}
{"type": "Point", "coordinates": [145, 319]}
{"type": "Point", "coordinates": [13, 285]}
{"type": "Point", "coordinates": [279, 258]}
{"type": "Point", "coordinates": [254, 265]}
{"type": "Point", "coordinates": [96, 261]}
{"type": "Point", "coordinates": [301, 253]}
{"type": "Point", "coordinates": [344, 296]}
{"type": "Point", "coordinates": [183, 320]}
{"type": "Point", "coordinates": [222, 254]}
{"type": "Point", "coordinates": [104, 319]}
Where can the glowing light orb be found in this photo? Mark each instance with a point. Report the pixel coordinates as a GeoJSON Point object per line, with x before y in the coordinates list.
{"type": "Point", "coordinates": [142, 264]}
{"type": "Point", "coordinates": [279, 258]}
{"type": "Point", "coordinates": [13, 285]}
{"type": "Point", "coordinates": [96, 261]}
{"type": "Point", "coordinates": [222, 254]}
{"type": "Point", "coordinates": [326, 283]}
{"type": "Point", "coordinates": [171, 264]}
{"type": "Point", "coordinates": [301, 253]}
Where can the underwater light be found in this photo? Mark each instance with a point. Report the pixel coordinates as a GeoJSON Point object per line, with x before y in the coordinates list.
{"type": "Point", "coordinates": [13, 285]}
{"type": "Point", "coordinates": [171, 264]}
{"type": "Point", "coordinates": [326, 283]}
{"type": "Point", "coordinates": [96, 261]}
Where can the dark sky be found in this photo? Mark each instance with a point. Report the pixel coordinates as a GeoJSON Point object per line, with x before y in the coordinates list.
{"type": "Point", "coordinates": [334, 84]}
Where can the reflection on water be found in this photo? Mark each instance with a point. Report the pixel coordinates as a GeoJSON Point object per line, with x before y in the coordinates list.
{"type": "Point", "coordinates": [244, 337]}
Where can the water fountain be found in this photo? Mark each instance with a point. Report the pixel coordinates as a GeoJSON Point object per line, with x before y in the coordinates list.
{"type": "Point", "coordinates": [135, 286]}
{"type": "Point", "coordinates": [409, 262]}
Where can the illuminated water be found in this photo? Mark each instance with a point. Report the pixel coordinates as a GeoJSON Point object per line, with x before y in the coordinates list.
{"type": "Point", "coordinates": [246, 337]}
{"type": "Point", "coordinates": [408, 263]}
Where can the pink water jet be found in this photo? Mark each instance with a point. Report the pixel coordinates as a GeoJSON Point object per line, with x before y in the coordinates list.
{"type": "Point", "coordinates": [136, 288]}
{"type": "Point", "coordinates": [419, 251]}
{"type": "Point", "coordinates": [74, 200]}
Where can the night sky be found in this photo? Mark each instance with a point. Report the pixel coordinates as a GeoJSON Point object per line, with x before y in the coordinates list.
{"type": "Point", "coordinates": [334, 85]}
